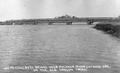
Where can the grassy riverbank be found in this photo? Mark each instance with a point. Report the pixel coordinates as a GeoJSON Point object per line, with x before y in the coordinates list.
{"type": "Point", "coordinates": [112, 29]}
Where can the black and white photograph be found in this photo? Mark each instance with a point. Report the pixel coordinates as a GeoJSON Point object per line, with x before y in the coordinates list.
{"type": "Point", "coordinates": [59, 36]}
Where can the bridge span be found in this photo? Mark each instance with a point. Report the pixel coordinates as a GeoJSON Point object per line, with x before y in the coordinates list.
{"type": "Point", "coordinates": [68, 21]}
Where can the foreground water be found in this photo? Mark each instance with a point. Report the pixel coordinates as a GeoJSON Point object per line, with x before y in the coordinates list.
{"type": "Point", "coordinates": [57, 45]}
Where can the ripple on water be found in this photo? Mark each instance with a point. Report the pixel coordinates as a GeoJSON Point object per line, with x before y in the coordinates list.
{"type": "Point", "coordinates": [58, 45]}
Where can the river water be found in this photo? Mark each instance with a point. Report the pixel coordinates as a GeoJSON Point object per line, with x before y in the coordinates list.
{"type": "Point", "coordinates": [45, 45]}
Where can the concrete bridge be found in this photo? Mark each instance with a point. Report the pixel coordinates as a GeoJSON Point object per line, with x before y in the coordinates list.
{"type": "Point", "coordinates": [68, 21]}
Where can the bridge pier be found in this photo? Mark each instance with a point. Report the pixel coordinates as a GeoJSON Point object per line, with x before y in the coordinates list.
{"type": "Point", "coordinates": [50, 23]}
{"type": "Point", "coordinates": [69, 23]}
{"type": "Point", "coordinates": [89, 22]}
{"type": "Point", "coordinates": [34, 23]}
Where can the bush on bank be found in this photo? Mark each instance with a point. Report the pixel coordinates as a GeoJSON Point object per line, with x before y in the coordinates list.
{"type": "Point", "coordinates": [109, 28]}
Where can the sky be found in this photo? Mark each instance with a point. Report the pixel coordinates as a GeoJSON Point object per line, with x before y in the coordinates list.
{"type": "Point", "coordinates": [27, 9]}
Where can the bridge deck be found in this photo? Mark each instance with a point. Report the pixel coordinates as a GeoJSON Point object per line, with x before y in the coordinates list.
{"type": "Point", "coordinates": [67, 21]}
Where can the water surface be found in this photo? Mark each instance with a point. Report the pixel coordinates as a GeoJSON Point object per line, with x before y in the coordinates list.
{"type": "Point", "coordinates": [57, 45]}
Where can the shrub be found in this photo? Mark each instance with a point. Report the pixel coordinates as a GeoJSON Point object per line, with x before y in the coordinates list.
{"type": "Point", "coordinates": [112, 29]}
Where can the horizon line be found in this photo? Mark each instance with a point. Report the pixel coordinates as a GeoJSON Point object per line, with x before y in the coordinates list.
{"type": "Point", "coordinates": [58, 17]}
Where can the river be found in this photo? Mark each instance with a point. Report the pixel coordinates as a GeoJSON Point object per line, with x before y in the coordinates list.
{"type": "Point", "coordinates": [44, 45]}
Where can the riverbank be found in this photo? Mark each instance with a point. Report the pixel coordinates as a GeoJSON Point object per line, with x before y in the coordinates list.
{"type": "Point", "coordinates": [111, 29]}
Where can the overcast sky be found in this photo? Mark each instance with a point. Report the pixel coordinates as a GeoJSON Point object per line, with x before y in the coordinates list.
{"type": "Point", "coordinates": [18, 9]}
